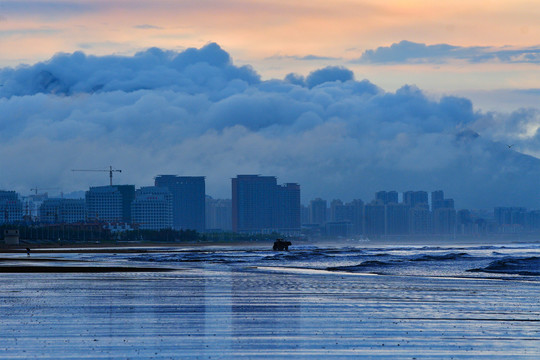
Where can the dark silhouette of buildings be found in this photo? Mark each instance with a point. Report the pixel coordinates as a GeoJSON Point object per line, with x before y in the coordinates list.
{"type": "Point", "coordinates": [386, 216]}
{"type": "Point", "coordinates": [110, 203]}
{"type": "Point", "coordinates": [375, 218]}
{"type": "Point", "coordinates": [444, 214]}
{"type": "Point", "coordinates": [416, 199]}
{"type": "Point", "coordinates": [218, 214]}
{"type": "Point", "coordinates": [387, 197]}
{"type": "Point", "coordinates": [317, 211]}
{"type": "Point", "coordinates": [288, 208]}
{"type": "Point", "coordinates": [259, 205]}
{"type": "Point", "coordinates": [11, 209]}
{"type": "Point", "coordinates": [188, 194]}
{"type": "Point", "coordinates": [62, 211]}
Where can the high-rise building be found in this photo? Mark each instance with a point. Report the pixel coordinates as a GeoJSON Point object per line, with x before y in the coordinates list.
{"type": "Point", "coordinates": [420, 220]}
{"type": "Point", "coordinates": [32, 203]}
{"type": "Point", "coordinates": [444, 221]}
{"type": "Point", "coordinates": [337, 211]}
{"type": "Point", "coordinates": [397, 219]}
{"type": "Point", "coordinates": [110, 203]}
{"type": "Point", "coordinates": [387, 197]}
{"type": "Point", "coordinates": [355, 211]}
{"type": "Point", "coordinates": [304, 214]}
{"type": "Point", "coordinates": [464, 222]}
{"type": "Point", "coordinates": [188, 200]}
{"type": "Point", "coordinates": [443, 212]}
{"type": "Point", "coordinates": [533, 219]}
{"type": "Point", "coordinates": [152, 208]}
{"type": "Point", "coordinates": [253, 203]}
{"type": "Point", "coordinates": [288, 208]}
{"type": "Point", "coordinates": [416, 198]}
{"type": "Point", "coordinates": [259, 205]}
{"type": "Point", "coordinates": [512, 219]}
{"type": "Point", "coordinates": [62, 211]}
{"type": "Point", "coordinates": [510, 215]}
{"type": "Point", "coordinates": [338, 228]}
{"type": "Point", "coordinates": [437, 200]}
{"type": "Point", "coordinates": [352, 212]}
{"type": "Point", "coordinates": [317, 211]}
{"type": "Point", "coordinates": [374, 219]}
{"type": "Point", "coordinates": [11, 209]}
{"type": "Point", "coordinates": [218, 214]}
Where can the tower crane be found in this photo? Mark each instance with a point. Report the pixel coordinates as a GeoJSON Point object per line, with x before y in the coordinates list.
{"type": "Point", "coordinates": [110, 171]}
{"type": "Point", "coordinates": [36, 189]}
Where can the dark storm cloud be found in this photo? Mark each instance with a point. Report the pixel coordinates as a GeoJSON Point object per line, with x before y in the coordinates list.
{"type": "Point", "coordinates": [195, 112]}
{"type": "Point", "coordinates": [411, 52]}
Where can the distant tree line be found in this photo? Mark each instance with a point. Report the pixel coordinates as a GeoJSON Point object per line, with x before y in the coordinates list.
{"type": "Point", "coordinates": [86, 233]}
{"type": "Point", "coordinates": [96, 233]}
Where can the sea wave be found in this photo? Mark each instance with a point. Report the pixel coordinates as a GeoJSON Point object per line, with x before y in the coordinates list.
{"type": "Point", "coordinates": [440, 257]}
{"type": "Point", "coordinates": [300, 255]}
{"type": "Point", "coordinates": [528, 266]}
{"type": "Point", "coordinates": [363, 266]}
{"type": "Point", "coordinates": [188, 257]}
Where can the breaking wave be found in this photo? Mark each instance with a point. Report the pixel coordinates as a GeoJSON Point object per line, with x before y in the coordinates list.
{"type": "Point", "coordinates": [528, 266]}
{"type": "Point", "coordinates": [365, 265]}
{"type": "Point", "coordinates": [449, 256]}
{"type": "Point", "coordinates": [189, 257]}
{"type": "Point", "coordinates": [292, 256]}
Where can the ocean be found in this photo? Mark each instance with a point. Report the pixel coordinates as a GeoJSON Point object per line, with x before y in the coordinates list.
{"type": "Point", "coordinates": [317, 301]}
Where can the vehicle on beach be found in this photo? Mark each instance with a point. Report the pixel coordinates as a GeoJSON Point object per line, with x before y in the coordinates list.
{"type": "Point", "coordinates": [281, 245]}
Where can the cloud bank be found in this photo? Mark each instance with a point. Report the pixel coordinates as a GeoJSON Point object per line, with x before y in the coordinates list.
{"type": "Point", "coordinates": [411, 52]}
{"type": "Point", "coordinates": [196, 113]}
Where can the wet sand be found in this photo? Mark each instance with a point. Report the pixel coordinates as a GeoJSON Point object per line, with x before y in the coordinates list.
{"type": "Point", "coordinates": [209, 310]}
{"type": "Point", "coordinates": [76, 269]}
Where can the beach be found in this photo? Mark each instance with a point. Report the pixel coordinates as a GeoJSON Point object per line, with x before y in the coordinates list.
{"type": "Point", "coordinates": [317, 302]}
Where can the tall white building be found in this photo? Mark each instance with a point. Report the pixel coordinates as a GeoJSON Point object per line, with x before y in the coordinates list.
{"type": "Point", "coordinates": [152, 208]}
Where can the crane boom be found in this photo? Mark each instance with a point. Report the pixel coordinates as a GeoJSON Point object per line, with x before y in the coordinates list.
{"type": "Point", "coordinates": [110, 171]}
{"type": "Point", "coordinates": [36, 189]}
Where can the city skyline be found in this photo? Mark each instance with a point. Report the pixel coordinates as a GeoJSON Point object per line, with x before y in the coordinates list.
{"type": "Point", "coordinates": [260, 206]}
{"type": "Point", "coordinates": [402, 196]}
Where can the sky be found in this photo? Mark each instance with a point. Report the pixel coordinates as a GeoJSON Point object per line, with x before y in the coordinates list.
{"type": "Point", "coordinates": [344, 97]}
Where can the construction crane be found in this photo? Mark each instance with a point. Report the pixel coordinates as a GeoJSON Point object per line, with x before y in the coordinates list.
{"type": "Point", "coordinates": [36, 189]}
{"type": "Point", "coordinates": [110, 171]}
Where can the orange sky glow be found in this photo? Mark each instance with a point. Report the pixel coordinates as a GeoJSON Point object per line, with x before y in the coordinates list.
{"type": "Point", "coordinates": [270, 35]}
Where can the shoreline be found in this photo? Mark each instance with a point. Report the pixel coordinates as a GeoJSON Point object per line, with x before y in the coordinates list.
{"type": "Point", "coordinates": [152, 247]}
{"type": "Point", "coordinates": [10, 269]}
{"type": "Point", "coordinates": [122, 247]}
